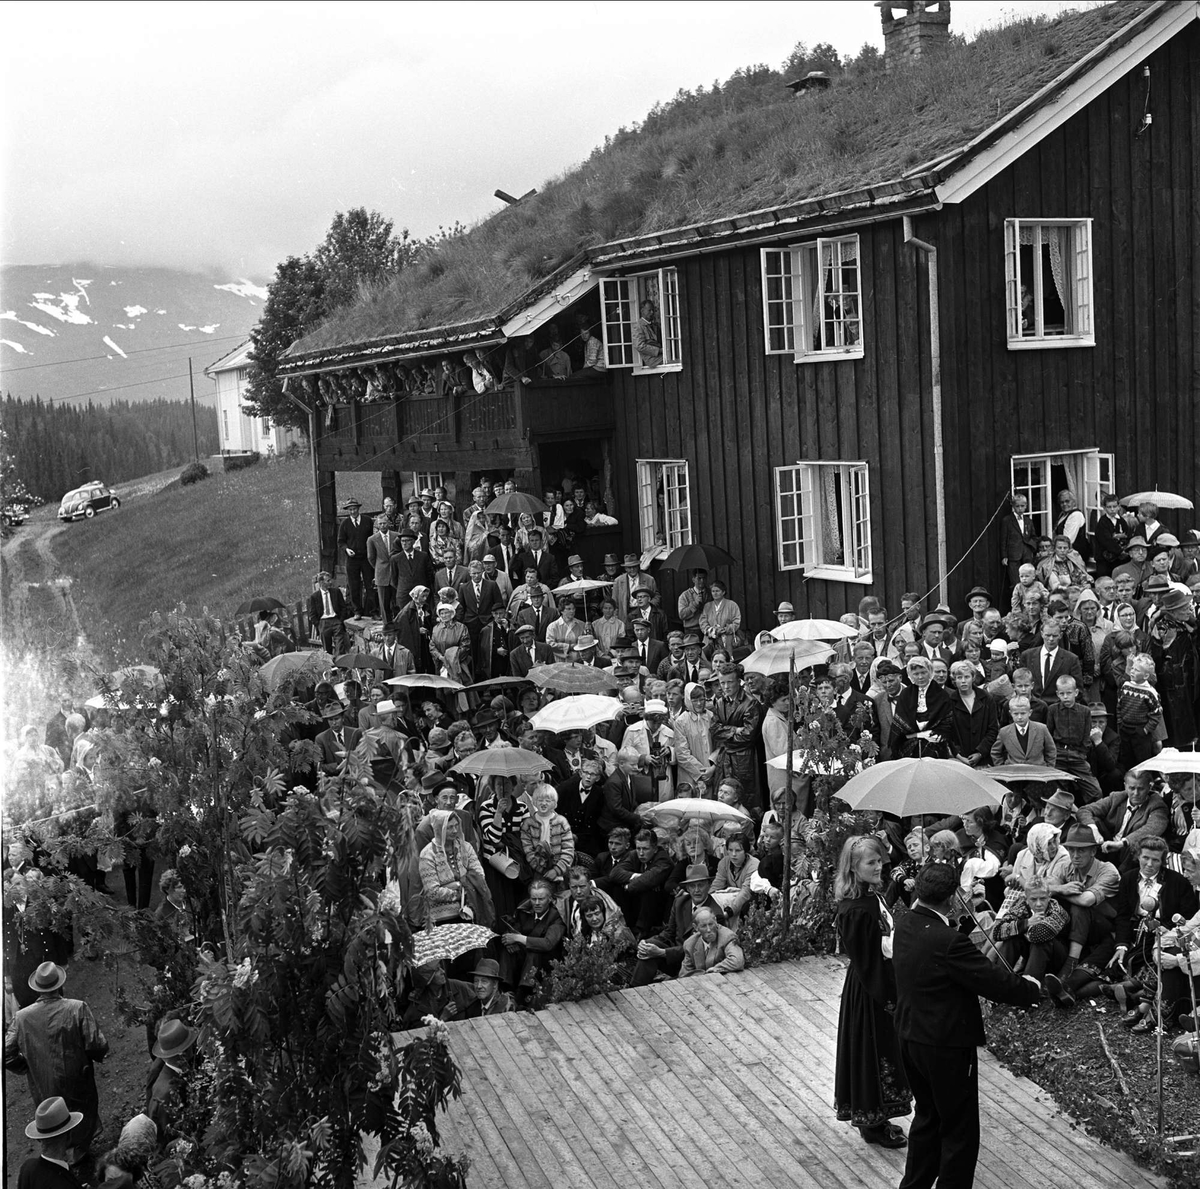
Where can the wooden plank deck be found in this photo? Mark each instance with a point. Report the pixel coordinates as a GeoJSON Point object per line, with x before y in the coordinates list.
{"type": "Point", "coordinates": [718, 1082]}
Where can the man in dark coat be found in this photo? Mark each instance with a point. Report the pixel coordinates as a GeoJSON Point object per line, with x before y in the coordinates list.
{"type": "Point", "coordinates": [353, 534]}
{"type": "Point", "coordinates": [528, 652]}
{"type": "Point", "coordinates": [939, 978]}
{"type": "Point", "coordinates": [537, 612]}
{"type": "Point", "coordinates": [664, 951]}
{"type": "Point", "coordinates": [637, 882]}
{"type": "Point", "coordinates": [1018, 537]}
{"type": "Point", "coordinates": [52, 1127]}
{"type": "Point", "coordinates": [56, 1042]}
{"type": "Point", "coordinates": [737, 718]}
{"type": "Point", "coordinates": [537, 557]}
{"type": "Point", "coordinates": [535, 940]}
{"type": "Point", "coordinates": [327, 612]}
{"type": "Point", "coordinates": [492, 650]}
{"type": "Point", "coordinates": [410, 567]}
{"type": "Point", "coordinates": [477, 596]}
{"type": "Point", "coordinates": [582, 801]}
{"type": "Point", "coordinates": [340, 736]}
{"type": "Point", "coordinates": [1050, 662]}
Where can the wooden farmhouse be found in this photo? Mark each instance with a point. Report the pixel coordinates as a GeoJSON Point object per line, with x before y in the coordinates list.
{"type": "Point", "coordinates": [911, 292]}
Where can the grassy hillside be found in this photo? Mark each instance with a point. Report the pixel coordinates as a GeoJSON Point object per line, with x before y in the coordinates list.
{"type": "Point", "coordinates": [210, 546]}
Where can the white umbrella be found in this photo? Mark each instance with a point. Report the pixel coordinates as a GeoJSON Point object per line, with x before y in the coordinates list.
{"type": "Point", "coordinates": [581, 585]}
{"type": "Point", "coordinates": [576, 713]}
{"type": "Point", "coordinates": [786, 654]}
{"type": "Point", "coordinates": [814, 629]}
{"type": "Point", "coordinates": [1160, 499]}
{"type": "Point", "coordinates": [907, 787]}
{"type": "Point", "coordinates": [675, 812]}
{"type": "Point", "coordinates": [424, 681]}
{"type": "Point", "coordinates": [1170, 759]}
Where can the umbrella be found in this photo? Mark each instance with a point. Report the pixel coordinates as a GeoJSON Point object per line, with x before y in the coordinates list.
{"type": "Point", "coordinates": [672, 814]}
{"type": "Point", "coordinates": [147, 674]}
{"type": "Point", "coordinates": [259, 603]}
{"type": "Point", "coordinates": [423, 681]}
{"type": "Point", "coordinates": [1170, 759]}
{"type": "Point", "coordinates": [814, 629]}
{"type": "Point", "coordinates": [581, 586]}
{"type": "Point", "coordinates": [907, 787]}
{"type": "Point", "coordinates": [492, 682]}
{"type": "Point", "coordinates": [516, 502]}
{"type": "Point", "coordinates": [571, 679]}
{"type": "Point", "coordinates": [777, 658]}
{"type": "Point", "coordinates": [575, 713]}
{"type": "Point", "coordinates": [291, 664]}
{"type": "Point", "coordinates": [503, 761]}
{"type": "Point", "coordinates": [361, 660]}
{"type": "Point", "coordinates": [444, 943]}
{"type": "Point", "coordinates": [1160, 499]}
{"type": "Point", "coordinates": [1032, 772]}
{"type": "Point", "coordinates": [697, 557]}
{"type": "Point", "coordinates": [106, 701]}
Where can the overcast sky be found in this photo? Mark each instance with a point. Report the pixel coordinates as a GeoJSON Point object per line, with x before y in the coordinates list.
{"type": "Point", "coordinates": [226, 135]}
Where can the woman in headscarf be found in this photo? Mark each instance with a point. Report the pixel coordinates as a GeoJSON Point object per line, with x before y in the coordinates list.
{"type": "Point", "coordinates": [1042, 856]}
{"type": "Point", "coordinates": [450, 645]}
{"type": "Point", "coordinates": [597, 920]}
{"type": "Point", "coordinates": [546, 837]}
{"type": "Point", "coordinates": [525, 525]}
{"type": "Point", "coordinates": [36, 780]}
{"type": "Point", "coordinates": [414, 625]}
{"type": "Point", "coordinates": [501, 814]}
{"type": "Point", "coordinates": [451, 875]}
{"type": "Point", "coordinates": [444, 548]}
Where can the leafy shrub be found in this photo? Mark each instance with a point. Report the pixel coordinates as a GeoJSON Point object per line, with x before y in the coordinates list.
{"type": "Point", "coordinates": [761, 934]}
{"type": "Point", "coordinates": [584, 970]}
{"type": "Point", "coordinates": [239, 462]}
{"type": "Point", "coordinates": [194, 472]}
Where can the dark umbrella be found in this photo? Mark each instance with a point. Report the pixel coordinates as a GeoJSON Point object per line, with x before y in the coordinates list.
{"type": "Point", "coordinates": [493, 682]}
{"type": "Point", "coordinates": [571, 679]}
{"type": "Point", "coordinates": [361, 660]}
{"type": "Point", "coordinates": [259, 603]}
{"type": "Point", "coordinates": [503, 761]}
{"type": "Point", "coordinates": [515, 502]}
{"type": "Point", "coordinates": [697, 557]}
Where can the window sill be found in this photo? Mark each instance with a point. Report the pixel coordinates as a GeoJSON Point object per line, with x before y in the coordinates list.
{"type": "Point", "coordinates": [827, 356]}
{"type": "Point", "coordinates": [1050, 344]}
{"type": "Point", "coordinates": [658, 371]}
{"type": "Point", "coordinates": [838, 574]}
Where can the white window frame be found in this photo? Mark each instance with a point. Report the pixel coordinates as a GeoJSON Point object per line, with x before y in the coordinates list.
{"type": "Point", "coordinates": [431, 479]}
{"type": "Point", "coordinates": [793, 278]}
{"type": "Point", "coordinates": [225, 422]}
{"type": "Point", "coordinates": [668, 477]}
{"type": "Point", "coordinates": [1082, 311]}
{"type": "Point", "coordinates": [620, 300]}
{"type": "Point", "coordinates": [1099, 480]}
{"type": "Point", "coordinates": [797, 538]}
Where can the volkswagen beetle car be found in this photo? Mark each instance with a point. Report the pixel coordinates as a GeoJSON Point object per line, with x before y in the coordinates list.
{"type": "Point", "coordinates": [84, 502]}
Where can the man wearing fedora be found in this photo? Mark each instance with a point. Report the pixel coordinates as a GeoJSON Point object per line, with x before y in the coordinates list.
{"type": "Point", "coordinates": [353, 534]}
{"type": "Point", "coordinates": [629, 581]}
{"type": "Point", "coordinates": [56, 1041]}
{"type": "Point", "coordinates": [664, 952]}
{"type": "Point", "coordinates": [934, 628]}
{"type": "Point", "coordinates": [1087, 893]}
{"type": "Point", "coordinates": [399, 658]}
{"type": "Point", "coordinates": [339, 738]}
{"type": "Point", "coordinates": [52, 1126]}
{"type": "Point", "coordinates": [166, 1085]}
{"type": "Point", "coordinates": [380, 545]}
{"type": "Point", "coordinates": [489, 999]}
{"type": "Point", "coordinates": [529, 651]}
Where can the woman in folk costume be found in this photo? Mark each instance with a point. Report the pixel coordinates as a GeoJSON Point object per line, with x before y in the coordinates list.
{"type": "Point", "coordinates": [450, 644]}
{"type": "Point", "coordinates": [452, 877]}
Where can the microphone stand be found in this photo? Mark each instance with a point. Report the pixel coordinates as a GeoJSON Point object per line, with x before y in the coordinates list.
{"type": "Point", "coordinates": [1158, 1031]}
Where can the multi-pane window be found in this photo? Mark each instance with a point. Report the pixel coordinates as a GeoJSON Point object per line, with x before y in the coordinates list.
{"type": "Point", "coordinates": [812, 299]}
{"type": "Point", "coordinates": [643, 326]}
{"type": "Point", "coordinates": [430, 480]}
{"type": "Point", "coordinates": [1048, 283]}
{"type": "Point", "coordinates": [823, 519]}
{"type": "Point", "coordinates": [1040, 478]}
{"type": "Point", "coordinates": [664, 503]}
{"type": "Point", "coordinates": [266, 425]}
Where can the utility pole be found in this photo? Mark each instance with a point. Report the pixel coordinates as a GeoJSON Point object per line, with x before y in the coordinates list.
{"type": "Point", "coordinates": [192, 389]}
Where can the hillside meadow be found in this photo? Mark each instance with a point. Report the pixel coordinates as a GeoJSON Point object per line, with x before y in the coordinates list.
{"type": "Point", "coordinates": [210, 546]}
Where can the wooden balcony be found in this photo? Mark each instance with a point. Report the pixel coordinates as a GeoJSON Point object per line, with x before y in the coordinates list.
{"type": "Point", "coordinates": [474, 423]}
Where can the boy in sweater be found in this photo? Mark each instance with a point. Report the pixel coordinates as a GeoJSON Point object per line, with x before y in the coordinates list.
{"type": "Point", "coordinates": [1070, 727]}
{"type": "Point", "coordinates": [1139, 713]}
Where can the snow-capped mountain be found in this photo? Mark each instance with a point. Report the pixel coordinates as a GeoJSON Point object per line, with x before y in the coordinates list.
{"type": "Point", "coordinates": [85, 331]}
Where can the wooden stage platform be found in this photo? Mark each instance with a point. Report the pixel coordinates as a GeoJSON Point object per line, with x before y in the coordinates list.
{"type": "Point", "coordinates": [718, 1082]}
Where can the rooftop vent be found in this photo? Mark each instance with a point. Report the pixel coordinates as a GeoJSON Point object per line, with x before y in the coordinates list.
{"type": "Point", "coordinates": [921, 28]}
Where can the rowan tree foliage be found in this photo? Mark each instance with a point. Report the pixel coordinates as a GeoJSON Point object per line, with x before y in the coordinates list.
{"type": "Point", "coordinates": [359, 249]}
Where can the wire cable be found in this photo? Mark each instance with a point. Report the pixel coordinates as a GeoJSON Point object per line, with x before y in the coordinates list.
{"type": "Point", "coordinates": [25, 367]}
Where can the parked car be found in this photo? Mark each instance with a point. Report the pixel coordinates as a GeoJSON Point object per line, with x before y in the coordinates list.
{"type": "Point", "coordinates": [14, 514]}
{"type": "Point", "coordinates": [86, 501]}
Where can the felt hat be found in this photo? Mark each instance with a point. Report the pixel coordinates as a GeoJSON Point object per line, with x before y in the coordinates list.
{"type": "Point", "coordinates": [1156, 582]}
{"type": "Point", "coordinates": [522, 628]}
{"type": "Point", "coordinates": [611, 559]}
{"type": "Point", "coordinates": [53, 1118]}
{"type": "Point", "coordinates": [696, 873]}
{"type": "Point", "coordinates": [432, 781]}
{"type": "Point", "coordinates": [1176, 600]}
{"type": "Point", "coordinates": [47, 977]}
{"type": "Point", "coordinates": [487, 968]}
{"type": "Point", "coordinates": [351, 503]}
{"type": "Point", "coordinates": [387, 706]}
{"type": "Point", "coordinates": [785, 606]}
{"type": "Point", "coordinates": [656, 706]}
{"type": "Point", "coordinates": [584, 643]}
{"type": "Point", "coordinates": [631, 559]}
{"type": "Point", "coordinates": [691, 639]}
{"type": "Point", "coordinates": [537, 591]}
{"type": "Point", "coordinates": [625, 670]}
{"type": "Point", "coordinates": [978, 592]}
{"type": "Point", "coordinates": [1060, 800]}
{"type": "Point", "coordinates": [438, 740]}
{"type": "Point", "coordinates": [1098, 710]}
{"type": "Point", "coordinates": [642, 589]}
{"type": "Point", "coordinates": [1081, 836]}
{"type": "Point", "coordinates": [425, 493]}
{"type": "Point", "coordinates": [1190, 536]}
{"type": "Point", "coordinates": [174, 1036]}
{"type": "Point", "coordinates": [407, 534]}
{"type": "Point", "coordinates": [622, 642]}
{"type": "Point", "coordinates": [332, 710]}
{"type": "Point", "coordinates": [486, 717]}
{"type": "Point", "coordinates": [574, 560]}
{"type": "Point", "coordinates": [1135, 542]}
{"type": "Point", "coordinates": [390, 629]}
{"type": "Point", "coordinates": [947, 621]}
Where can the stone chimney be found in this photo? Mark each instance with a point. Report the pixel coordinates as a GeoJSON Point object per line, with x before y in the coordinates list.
{"type": "Point", "coordinates": [920, 30]}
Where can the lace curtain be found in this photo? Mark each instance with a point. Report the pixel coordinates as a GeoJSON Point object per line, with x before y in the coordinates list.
{"type": "Point", "coordinates": [831, 535]}
{"type": "Point", "coordinates": [1058, 241]}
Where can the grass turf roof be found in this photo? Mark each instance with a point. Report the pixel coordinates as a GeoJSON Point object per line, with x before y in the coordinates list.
{"type": "Point", "coordinates": [747, 145]}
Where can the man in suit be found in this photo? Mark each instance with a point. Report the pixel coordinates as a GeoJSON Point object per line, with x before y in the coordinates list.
{"type": "Point", "coordinates": [537, 612]}
{"type": "Point", "coordinates": [340, 736]}
{"type": "Point", "coordinates": [501, 546]}
{"type": "Point", "coordinates": [537, 557]}
{"type": "Point", "coordinates": [626, 583]}
{"type": "Point", "coordinates": [664, 951]}
{"type": "Point", "coordinates": [849, 703]}
{"type": "Point", "coordinates": [1110, 536]}
{"type": "Point", "coordinates": [410, 567]}
{"type": "Point", "coordinates": [521, 595]}
{"type": "Point", "coordinates": [934, 628]}
{"type": "Point", "coordinates": [643, 610]}
{"type": "Point", "coordinates": [450, 577]}
{"type": "Point", "coordinates": [1018, 538]}
{"type": "Point", "coordinates": [327, 613]}
{"type": "Point", "coordinates": [494, 572]}
{"type": "Point", "coordinates": [477, 596]}
{"type": "Point", "coordinates": [1024, 741]}
{"type": "Point", "coordinates": [493, 647]}
{"type": "Point", "coordinates": [884, 697]}
{"type": "Point", "coordinates": [650, 652]}
{"type": "Point", "coordinates": [528, 651]}
{"type": "Point", "coordinates": [399, 658]}
{"type": "Point", "coordinates": [51, 1127]}
{"type": "Point", "coordinates": [1125, 818]}
{"type": "Point", "coordinates": [353, 534]}
{"type": "Point", "coordinates": [863, 655]}
{"type": "Point", "coordinates": [1050, 662]}
{"type": "Point", "coordinates": [380, 545]}
{"type": "Point", "coordinates": [687, 668]}
{"type": "Point", "coordinates": [939, 977]}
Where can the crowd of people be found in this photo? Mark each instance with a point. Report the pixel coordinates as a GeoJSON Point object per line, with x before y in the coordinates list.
{"type": "Point", "coordinates": [1077, 674]}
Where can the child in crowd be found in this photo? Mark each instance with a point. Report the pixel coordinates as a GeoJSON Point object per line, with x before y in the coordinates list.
{"type": "Point", "coordinates": [1028, 584]}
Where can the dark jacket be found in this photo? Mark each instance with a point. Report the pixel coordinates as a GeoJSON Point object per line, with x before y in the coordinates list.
{"type": "Point", "coordinates": [976, 730]}
{"type": "Point", "coordinates": [316, 605]}
{"type": "Point", "coordinates": [938, 718]}
{"type": "Point", "coordinates": [677, 928]}
{"type": "Point", "coordinates": [939, 978]}
{"type": "Point", "coordinates": [37, 1173]}
{"type": "Point", "coordinates": [1150, 819]}
{"type": "Point", "coordinates": [355, 536]}
{"type": "Point", "coordinates": [1176, 895]}
{"type": "Point", "coordinates": [408, 631]}
{"type": "Point", "coordinates": [547, 570]}
{"type": "Point", "coordinates": [1065, 664]}
{"type": "Point", "coordinates": [584, 818]}
{"type": "Point", "coordinates": [521, 660]}
{"type": "Point", "coordinates": [477, 612]}
{"type": "Point", "coordinates": [1018, 547]}
{"type": "Point", "coordinates": [407, 572]}
{"type": "Point", "coordinates": [620, 807]}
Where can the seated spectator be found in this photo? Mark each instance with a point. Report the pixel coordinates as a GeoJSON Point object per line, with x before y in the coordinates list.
{"type": "Point", "coordinates": [1041, 857]}
{"type": "Point", "coordinates": [452, 877]}
{"type": "Point", "coordinates": [637, 881]}
{"type": "Point", "coordinates": [534, 942]}
{"type": "Point", "coordinates": [593, 350]}
{"type": "Point", "coordinates": [731, 887]}
{"type": "Point", "coordinates": [1028, 929]}
{"type": "Point", "coordinates": [600, 917]}
{"type": "Point", "coordinates": [556, 363]}
{"type": "Point", "coordinates": [663, 952]}
{"type": "Point", "coordinates": [618, 848]}
{"type": "Point", "coordinates": [546, 837]}
{"type": "Point", "coordinates": [489, 1000]}
{"type": "Point", "coordinates": [433, 994]}
{"type": "Point", "coordinates": [1125, 818]}
{"type": "Point", "coordinates": [647, 337]}
{"type": "Point", "coordinates": [712, 948]}
{"type": "Point", "coordinates": [579, 888]}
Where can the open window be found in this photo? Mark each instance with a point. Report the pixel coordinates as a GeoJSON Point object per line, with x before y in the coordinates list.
{"type": "Point", "coordinates": [812, 300]}
{"type": "Point", "coordinates": [1048, 283]}
{"type": "Point", "coordinates": [1041, 477]}
{"type": "Point", "coordinates": [823, 520]}
{"type": "Point", "coordinates": [664, 503]}
{"type": "Point", "coordinates": [643, 328]}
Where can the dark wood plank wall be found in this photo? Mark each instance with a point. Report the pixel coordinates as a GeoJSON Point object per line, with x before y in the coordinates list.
{"type": "Point", "coordinates": [1135, 393]}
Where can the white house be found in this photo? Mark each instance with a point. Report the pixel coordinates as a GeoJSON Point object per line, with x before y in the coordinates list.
{"type": "Point", "coordinates": [239, 430]}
